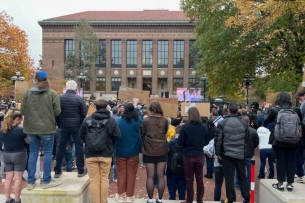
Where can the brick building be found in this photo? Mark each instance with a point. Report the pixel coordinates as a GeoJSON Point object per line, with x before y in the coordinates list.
{"type": "Point", "coordinates": [147, 50]}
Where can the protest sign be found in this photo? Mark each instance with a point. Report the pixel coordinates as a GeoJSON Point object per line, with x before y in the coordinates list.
{"type": "Point", "coordinates": [203, 108]}
{"type": "Point", "coordinates": [21, 88]}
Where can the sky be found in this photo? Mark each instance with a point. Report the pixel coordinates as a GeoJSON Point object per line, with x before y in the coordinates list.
{"type": "Point", "coordinates": [27, 13]}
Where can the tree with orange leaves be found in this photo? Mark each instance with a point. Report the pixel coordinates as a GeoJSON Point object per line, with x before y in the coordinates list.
{"type": "Point", "coordinates": [14, 54]}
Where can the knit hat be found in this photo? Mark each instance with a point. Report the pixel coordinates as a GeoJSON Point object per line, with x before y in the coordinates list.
{"type": "Point", "coordinates": [40, 75]}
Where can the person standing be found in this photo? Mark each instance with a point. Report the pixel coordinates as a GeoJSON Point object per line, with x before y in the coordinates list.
{"type": "Point", "coordinates": [14, 155]}
{"type": "Point", "coordinates": [191, 138]}
{"type": "Point", "coordinates": [99, 161]}
{"type": "Point", "coordinates": [127, 151]}
{"type": "Point", "coordinates": [231, 137]}
{"type": "Point", "coordinates": [73, 112]}
{"type": "Point", "coordinates": [40, 105]}
{"type": "Point", "coordinates": [155, 149]}
{"type": "Point", "coordinates": [285, 153]}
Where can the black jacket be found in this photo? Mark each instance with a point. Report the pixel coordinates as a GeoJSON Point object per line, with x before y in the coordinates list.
{"type": "Point", "coordinates": [112, 128]}
{"type": "Point", "coordinates": [252, 142]}
{"type": "Point", "coordinates": [270, 117]}
{"type": "Point", "coordinates": [73, 110]}
{"type": "Point", "coordinates": [231, 136]}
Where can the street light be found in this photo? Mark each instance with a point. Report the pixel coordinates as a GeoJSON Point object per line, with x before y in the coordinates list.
{"type": "Point", "coordinates": [203, 81]}
{"type": "Point", "coordinates": [247, 82]}
{"type": "Point", "coordinates": [81, 78]}
{"type": "Point", "coordinates": [17, 77]}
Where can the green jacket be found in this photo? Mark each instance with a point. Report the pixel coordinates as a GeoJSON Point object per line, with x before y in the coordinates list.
{"type": "Point", "coordinates": [40, 107]}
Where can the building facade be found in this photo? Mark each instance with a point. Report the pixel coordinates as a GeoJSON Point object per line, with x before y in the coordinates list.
{"type": "Point", "coordinates": [148, 50]}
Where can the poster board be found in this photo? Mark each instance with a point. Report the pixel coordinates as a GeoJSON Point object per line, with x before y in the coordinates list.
{"type": "Point", "coordinates": [204, 108]}
{"type": "Point", "coordinates": [21, 88]}
{"type": "Point", "coordinates": [168, 105]}
{"type": "Point", "coordinates": [128, 94]}
{"type": "Point", "coordinates": [91, 110]}
{"type": "Point", "coordinates": [271, 97]}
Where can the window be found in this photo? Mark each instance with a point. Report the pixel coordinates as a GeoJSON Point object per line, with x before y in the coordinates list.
{"type": "Point", "coordinates": [85, 85]}
{"type": "Point", "coordinates": [84, 54]}
{"type": "Point", "coordinates": [132, 53]}
{"type": "Point", "coordinates": [101, 57]}
{"type": "Point", "coordinates": [116, 53]}
{"type": "Point", "coordinates": [69, 78]}
{"type": "Point", "coordinates": [147, 52]}
{"type": "Point", "coordinates": [115, 84]}
{"type": "Point", "coordinates": [179, 54]}
{"type": "Point", "coordinates": [100, 84]}
{"type": "Point", "coordinates": [69, 48]}
{"type": "Point", "coordinates": [177, 82]}
{"type": "Point", "coordinates": [193, 82]}
{"type": "Point", "coordinates": [192, 54]}
{"type": "Point", "coordinates": [162, 54]}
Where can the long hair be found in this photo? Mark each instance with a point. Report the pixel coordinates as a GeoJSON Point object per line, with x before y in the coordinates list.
{"type": "Point", "coordinates": [283, 98]}
{"type": "Point", "coordinates": [9, 118]}
{"type": "Point", "coordinates": [155, 107]}
{"type": "Point", "coordinates": [194, 115]}
{"type": "Point", "coordinates": [129, 113]}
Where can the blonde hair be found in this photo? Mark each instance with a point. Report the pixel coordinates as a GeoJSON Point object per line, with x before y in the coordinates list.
{"type": "Point", "coordinates": [9, 118]}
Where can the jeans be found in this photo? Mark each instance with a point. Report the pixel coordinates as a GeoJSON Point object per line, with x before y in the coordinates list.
{"type": "Point", "coordinates": [193, 165]}
{"type": "Point", "coordinates": [68, 159]}
{"type": "Point", "coordinates": [115, 171]}
{"type": "Point", "coordinates": [229, 165]}
{"type": "Point", "coordinates": [248, 169]}
{"type": "Point", "coordinates": [299, 161]}
{"type": "Point", "coordinates": [34, 144]}
{"type": "Point", "coordinates": [65, 134]}
{"type": "Point", "coordinates": [285, 163]}
{"type": "Point", "coordinates": [98, 172]}
{"type": "Point", "coordinates": [218, 174]}
{"type": "Point", "coordinates": [174, 182]}
{"type": "Point", "coordinates": [210, 165]}
{"type": "Point", "coordinates": [264, 154]}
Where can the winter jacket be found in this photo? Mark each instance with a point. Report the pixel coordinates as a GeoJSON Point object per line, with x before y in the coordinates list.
{"type": "Point", "coordinates": [252, 142]}
{"type": "Point", "coordinates": [231, 136]}
{"type": "Point", "coordinates": [73, 110]}
{"type": "Point", "coordinates": [113, 133]}
{"type": "Point", "coordinates": [271, 116]}
{"type": "Point", "coordinates": [40, 107]}
{"type": "Point", "coordinates": [154, 129]}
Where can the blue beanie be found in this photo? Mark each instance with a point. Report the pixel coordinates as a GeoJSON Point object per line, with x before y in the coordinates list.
{"type": "Point", "coordinates": [41, 75]}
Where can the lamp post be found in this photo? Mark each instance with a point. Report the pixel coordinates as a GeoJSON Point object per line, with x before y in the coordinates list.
{"type": "Point", "coordinates": [203, 81]}
{"type": "Point", "coordinates": [247, 82]}
{"type": "Point", "coordinates": [81, 78]}
{"type": "Point", "coordinates": [17, 77]}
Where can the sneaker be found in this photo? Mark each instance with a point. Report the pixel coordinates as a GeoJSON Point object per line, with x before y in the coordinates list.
{"type": "Point", "coordinates": [11, 200]}
{"type": "Point", "coordinates": [57, 175]}
{"type": "Point", "coordinates": [143, 165]}
{"type": "Point", "coordinates": [278, 186]}
{"type": "Point", "coordinates": [300, 179]}
{"type": "Point", "coordinates": [74, 167]}
{"type": "Point", "coordinates": [115, 180]}
{"type": "Point", "coordinates": [289, 187]}
{"type": "Point", "coordinates": [52, 183]}
{"type": "Point", "coordinates": [82, 174]}
{"type": "Point", "coordinates": [129, 199]}
{"type": "Point", "coordinates": [224, 201]}
{"type": "Point", "coordinates": [119, 198]}
{"type": "Point", "coordinates": [31, 186]}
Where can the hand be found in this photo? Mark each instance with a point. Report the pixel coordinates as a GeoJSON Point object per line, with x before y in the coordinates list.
{"type": "Point", "coordinates": [220, 157]}
{"type": "Point", "coordinates": [209, 155]}
{"type": "Point", "coordinates": [135, 104]}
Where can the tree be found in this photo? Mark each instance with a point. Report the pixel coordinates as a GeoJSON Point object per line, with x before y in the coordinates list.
{"type": "Point", "coordinates": [88, 49]}
{"type": "Point", "coordinates": [256, 37]}
{"type": "Point", "coordinates": [14, 54]}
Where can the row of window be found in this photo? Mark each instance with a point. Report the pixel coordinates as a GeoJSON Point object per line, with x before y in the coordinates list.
{"type": "Point", "coordinates": [116, 83]}
{"type": "Point", "coordinates": [132, 53]}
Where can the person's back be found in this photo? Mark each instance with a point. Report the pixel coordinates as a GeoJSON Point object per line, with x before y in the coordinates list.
{"type": "Point", "coordinates": [39, 106]}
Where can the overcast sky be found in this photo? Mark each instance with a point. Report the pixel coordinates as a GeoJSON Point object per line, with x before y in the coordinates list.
{"type": "Point", "coordinates": [27, 13]}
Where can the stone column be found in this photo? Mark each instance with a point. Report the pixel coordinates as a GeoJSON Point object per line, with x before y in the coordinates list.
{"type": "Point", "coordinates": [155, 68]}
{"type": "Point", "coordinates": [139, 71]}
{"type": "Point", "coordinates": [186, 64]}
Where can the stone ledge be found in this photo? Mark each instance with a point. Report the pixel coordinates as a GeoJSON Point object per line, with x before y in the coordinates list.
{"type": "Point", "coordinates": [112, 200]}
{"type": "Point", "coordinates": [269, 194]}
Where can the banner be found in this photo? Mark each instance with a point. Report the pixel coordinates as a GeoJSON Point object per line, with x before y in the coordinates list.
{"type": "Point", "coordinates": [189, 94]}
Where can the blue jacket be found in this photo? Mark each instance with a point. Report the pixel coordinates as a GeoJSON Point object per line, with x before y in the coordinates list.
{"type": "Point", "coordinates": [73, 110]}
{"type": "Point", "coordinates": [130, 143]}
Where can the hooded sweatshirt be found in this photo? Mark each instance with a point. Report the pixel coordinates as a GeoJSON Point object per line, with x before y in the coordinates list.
{"type": "Point", "coordinates": [263, 135]}
{"type": "Point", "coordinates": [40, 107]}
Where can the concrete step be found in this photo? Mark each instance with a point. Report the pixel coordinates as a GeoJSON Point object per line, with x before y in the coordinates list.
{"type": "Point", "coordinates": [112, 200]}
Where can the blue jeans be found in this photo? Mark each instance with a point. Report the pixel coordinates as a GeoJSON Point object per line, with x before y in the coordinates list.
{"type": "Point", "coordinates": [264, 154]}
{"type": "Point", "coordinates": [34, 144]}
{"type": "Point", "coordinates": [210, 165]}
{"type": "Point", "coordinates": [174, 182]}
{"type": "Point", "coordinates": [115, 172]}
{"type": "Point", "coordinates": [65, 134]}
{"type": "Point", "coordinates": [299, 161]}
{"type": "Point", "coordinates": [68, 159]}
{"type": "Point", "coordinates": [248, 169]}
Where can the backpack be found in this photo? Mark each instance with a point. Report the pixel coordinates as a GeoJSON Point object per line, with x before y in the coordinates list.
{"type": "Point", "coordinates": [176, 158]}
{"type": "Point", "coordinates": [288, 127]}
{"type": "Point", "coordinates": [96, 138]}
{"type": "Point", "coordinates": [254, 122]}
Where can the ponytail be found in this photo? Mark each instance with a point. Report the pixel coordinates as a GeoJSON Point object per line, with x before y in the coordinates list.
{"type": "Point", "coordinates": [8, 121]}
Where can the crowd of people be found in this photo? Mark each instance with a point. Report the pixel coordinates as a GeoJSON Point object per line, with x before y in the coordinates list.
{"type": "Point", "coordinates": [122, 135]}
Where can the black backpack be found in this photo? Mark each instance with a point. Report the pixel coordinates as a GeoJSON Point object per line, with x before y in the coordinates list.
{"type": "Point", "coordinates": [176, 158]}
{"type": "Point", "coordinates": [96, 138]}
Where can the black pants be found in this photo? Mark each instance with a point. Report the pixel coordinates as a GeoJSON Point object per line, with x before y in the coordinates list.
{"type": "Point", "coordinates": [218, 174]}
{"type": "Point", "coordinates": [229, 165]}
{"type": "Point", "coordinates": [285, 163]}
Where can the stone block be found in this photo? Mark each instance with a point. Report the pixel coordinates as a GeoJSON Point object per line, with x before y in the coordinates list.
{"type": "Point", "coordinates": [72, 190]}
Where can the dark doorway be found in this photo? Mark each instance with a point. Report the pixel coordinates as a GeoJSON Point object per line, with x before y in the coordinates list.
{"type": "Point", "coordinates": [147, 87]}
